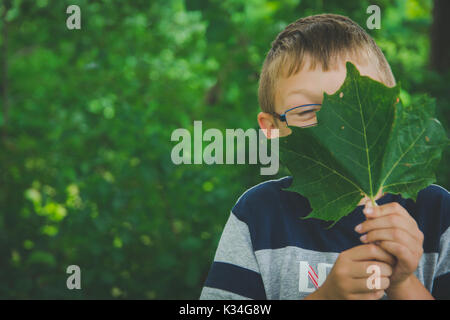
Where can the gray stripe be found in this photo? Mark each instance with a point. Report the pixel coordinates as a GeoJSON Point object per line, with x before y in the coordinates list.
{"type": "Point", "coordinates": [219, 294]}
{"type": "Point", "coordinates": [443, 263]}
{"type": "Point", "coordinates": [235, 245]}
{"type": "Point", "coordinates": [426, 269]}
{"type": "Point", "coordinates": [280, 270]}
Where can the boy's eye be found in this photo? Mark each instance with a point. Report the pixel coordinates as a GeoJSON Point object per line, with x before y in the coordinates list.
{"type": "Point", "coordinates": [305, 112]}
{"type": "Point", "coordinates": [298, 117]}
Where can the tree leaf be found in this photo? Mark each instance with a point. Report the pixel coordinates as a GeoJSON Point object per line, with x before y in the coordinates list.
{"type": "Point", "coordinates": [365, 140]}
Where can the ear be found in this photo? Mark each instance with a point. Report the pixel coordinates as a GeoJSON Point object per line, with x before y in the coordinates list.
{"type": "Point", "coordinates": [267, 123]}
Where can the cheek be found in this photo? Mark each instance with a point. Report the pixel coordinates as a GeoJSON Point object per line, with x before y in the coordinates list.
{"type": "Point", "coordinates": [285, 131]}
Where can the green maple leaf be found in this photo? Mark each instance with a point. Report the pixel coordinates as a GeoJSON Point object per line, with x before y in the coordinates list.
{"type": "Point", "coordinates": [365, 140]}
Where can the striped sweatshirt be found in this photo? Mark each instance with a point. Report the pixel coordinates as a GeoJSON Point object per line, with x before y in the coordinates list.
{"type": "Point", "coordinates": [267, 252]}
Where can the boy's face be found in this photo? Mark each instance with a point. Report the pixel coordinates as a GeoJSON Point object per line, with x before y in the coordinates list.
{"type": "Point", "coordinates": [307, 87]}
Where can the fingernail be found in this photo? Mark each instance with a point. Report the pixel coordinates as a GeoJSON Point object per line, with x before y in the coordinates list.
{"type": "Point", "coordinates": [368, 210]}
{"type": "Point", "coordinates": [358, 228]}
{"type": "Point", "coordinates": [363, 238]}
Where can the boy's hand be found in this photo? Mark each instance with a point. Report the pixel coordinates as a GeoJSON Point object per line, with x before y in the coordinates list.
{"type": "Point", "coordinates": [348, 277]}
{"type": "Point", "coordinates": [394, 230]}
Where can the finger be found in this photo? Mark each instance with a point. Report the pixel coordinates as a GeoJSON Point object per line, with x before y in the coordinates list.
{"type": "Point", "coordinates": [364, 285]}
{"type": "Point", "coordinates": [401, 252]}
{"type": "Point", "coordinates": [385, 209]}
{"type": "Point", "coordinates": [373, 295]}
{"type": "Point", "coordinates": [390, 221]}
{"type": "Point", "coordinates": [363, 269]}
{"type": "Point", "coordinates": [368, 252]}
{"type": "Point", "coordinates": [377, 196]}
{"type": "Point", "coordinates": [391, 234]}
{"type": "Point", "coordinates": [370, 211]}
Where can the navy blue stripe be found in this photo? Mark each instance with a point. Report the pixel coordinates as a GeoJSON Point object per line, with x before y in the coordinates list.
{"type": "Point", "coordinates": [242, 281]}
{"type": "Point", "coordinates": [441, 287]}
{"type": "Point", "coordinates": [273, 218]}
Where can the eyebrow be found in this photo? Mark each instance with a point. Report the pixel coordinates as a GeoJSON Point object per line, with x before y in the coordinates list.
{"type": "Point", "coordinates": [307, 92]}
{"type": "Point", "coordinates": [303, 91]}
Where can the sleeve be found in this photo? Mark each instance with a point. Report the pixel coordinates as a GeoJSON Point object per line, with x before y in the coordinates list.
{"type": "Point", "coordinates": [234, 273]}
{"type": "Point", "coordinates": [441, 283]}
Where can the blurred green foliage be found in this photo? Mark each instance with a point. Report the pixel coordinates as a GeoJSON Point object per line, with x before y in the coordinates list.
{"type": "Point", "coordinates": [85, 171]}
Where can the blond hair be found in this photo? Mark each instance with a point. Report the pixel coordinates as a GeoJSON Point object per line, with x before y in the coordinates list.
{"type": "Point", "coordinates": [324, 39]}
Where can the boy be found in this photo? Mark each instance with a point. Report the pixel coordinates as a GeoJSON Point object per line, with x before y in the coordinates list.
{"type": "Point", "coordinates": [267, 252]}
